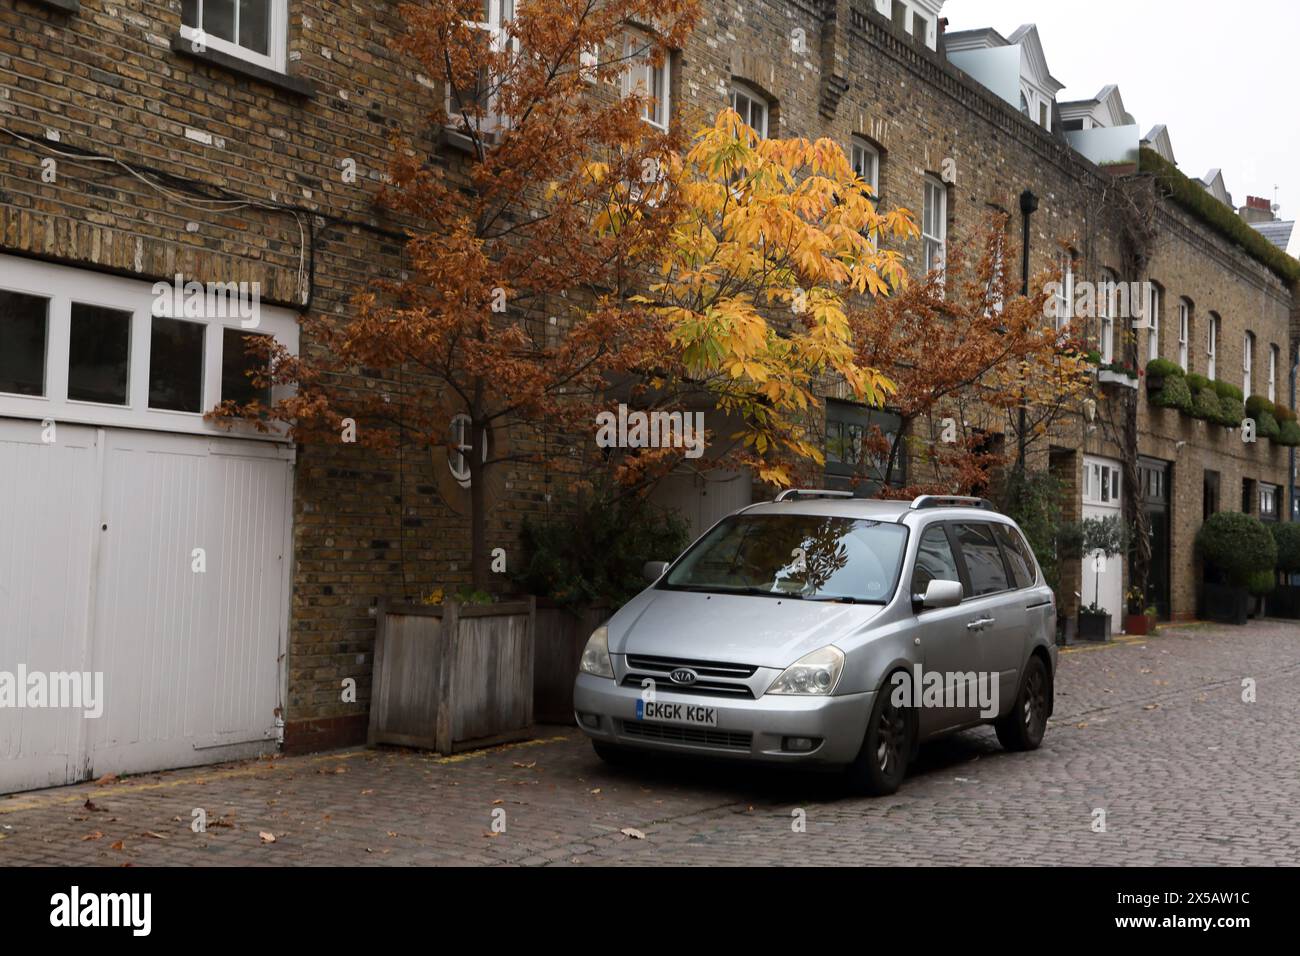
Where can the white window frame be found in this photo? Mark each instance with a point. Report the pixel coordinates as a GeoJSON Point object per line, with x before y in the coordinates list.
{"type": "Point", "coordinates": [1267, 500]}
{"type": "Point", "coordinates": [1212, 347]}
{"type": "Point", "coordinates": [1153, 322]}
{"type": "Point", "coordinates": [1272, 373]}
{"type": "Point", "coordinates": [753, 100]}
{"type": "Point", "coordinates": [1106, 329]}
{"type": "Point", "coordinates": [1065, 298]}
{"type": "Point", "coordinates": [64, 285]}
{"type": "Point", "coordinates": [277, 41]}
{"type": "Point", "coordinates": [642, 76]}
{"type": "Point", "coordinates": [1247, 361]}
{"type": "Point", "coordinates": [861, 149]}
{"type": "Point", "coordinates": [1184, 332]}
{"type": "Point", "coordinates": [500, 12]}
{"type": "Point", "coordinates": [1101, 482]}
{"type": "Point", "coordinates": [934, 226]}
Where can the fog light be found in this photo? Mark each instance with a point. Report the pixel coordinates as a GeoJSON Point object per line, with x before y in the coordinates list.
{"type": "Point", "coordinates": [799, 745]}
{"type": "Point", "coordinates": [590, 720]}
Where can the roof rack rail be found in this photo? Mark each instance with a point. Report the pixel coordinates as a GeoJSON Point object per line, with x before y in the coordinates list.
{"type": "Point", "coordinates": [952, 501]}
{"type": "Point", "coordinates": [790, 494]}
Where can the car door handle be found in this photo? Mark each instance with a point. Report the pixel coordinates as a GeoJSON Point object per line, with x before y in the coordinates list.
{"type": "Point", "coordinates": [979, 623]}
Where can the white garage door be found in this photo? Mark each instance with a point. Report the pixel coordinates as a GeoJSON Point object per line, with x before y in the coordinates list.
{"type": "Point", "coordinates": [157, 561]}
{"type": "Point", "coordinates": [141, 547]}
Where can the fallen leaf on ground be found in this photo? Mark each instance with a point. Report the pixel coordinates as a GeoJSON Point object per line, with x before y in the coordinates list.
{"type": "Point", "coordinates": [364, 792]}
{"type": "Point", "coordinates": [150, 833]}
{"type": "Point", "coordinates": [497, 803]}
{"type": "Point", "coordinates": [526, 766]}
{"type": "Point", "coordinates": [266, 837]}
{"type": "Point", "coordinates": [119, 845]}
{"type": "Point", "coordinates": [105, 780]}
{"type": "Point", "coordinates": [97, 835]}
{"type": "Point", "coordinates": [597, 790]}
{"type": "Point", "coordinates": [1150, 706]}
{"type": "Point", "coordinates": [632, 833]}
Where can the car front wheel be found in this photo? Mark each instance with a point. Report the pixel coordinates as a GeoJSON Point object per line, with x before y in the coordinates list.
{"type": "Point", "coordinates": [1023, 728]}
{"type": "Point", "coordinates": [882, 762]}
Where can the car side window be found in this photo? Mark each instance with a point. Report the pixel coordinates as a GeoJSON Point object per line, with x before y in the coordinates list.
{"type": "Point", "coordinates": [983, 558]}
{"type": "Point", "coordinates": [934, 560]}
{"type": "Point", "coordinates": [1018, 555]}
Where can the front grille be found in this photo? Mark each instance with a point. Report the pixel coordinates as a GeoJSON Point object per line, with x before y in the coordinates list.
{"type": "Point", "coordinates": [715, 679]}
{"type": "Point", "coordinates": [691, 736]}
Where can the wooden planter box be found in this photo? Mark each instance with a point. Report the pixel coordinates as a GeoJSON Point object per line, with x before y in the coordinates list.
{"type": "Point", "coordinates": [1285, 601]}
{"type": "Point", "coordinates": [561, 635]}
{"type": "Point", "coordinates": [454, 677]}
{"type": "Point", "coordinates": [1094, 627]}
{"type": "Point", "coordinates": [1224, 604]}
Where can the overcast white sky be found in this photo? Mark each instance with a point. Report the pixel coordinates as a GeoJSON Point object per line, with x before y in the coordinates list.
{"type": "Point", "coordinates": [1223, 77]}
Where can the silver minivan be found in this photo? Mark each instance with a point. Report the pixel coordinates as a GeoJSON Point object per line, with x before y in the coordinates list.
{"type": "Point", "coordinates": [829, 631]}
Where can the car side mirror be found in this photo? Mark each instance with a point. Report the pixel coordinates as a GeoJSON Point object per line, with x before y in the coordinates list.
{"type": "Point", "coordinates": [652, 571]}
{"type": "Point", "coordinates": [941, 594]}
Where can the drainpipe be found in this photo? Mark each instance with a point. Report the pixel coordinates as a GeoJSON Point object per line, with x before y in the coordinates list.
{"type": "Point", "coordinates": [1290, 455]}
{"type": "Point", "coordinates": [1028, 206]}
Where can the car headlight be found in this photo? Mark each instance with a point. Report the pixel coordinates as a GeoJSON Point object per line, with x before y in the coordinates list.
{"type": "Point", "coordinates": [595, 656]}
{"type": "Point", "coordinates": [813, 675]}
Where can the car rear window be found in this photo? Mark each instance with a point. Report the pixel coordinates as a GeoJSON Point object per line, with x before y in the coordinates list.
{"type": "Point", "coordinates": [979, 548]}
{"type": "Point", "coordinates": [1018, 555]}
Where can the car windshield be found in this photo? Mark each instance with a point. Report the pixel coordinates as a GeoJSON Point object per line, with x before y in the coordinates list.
{"type": "Point", "coordinates": [811, 557]}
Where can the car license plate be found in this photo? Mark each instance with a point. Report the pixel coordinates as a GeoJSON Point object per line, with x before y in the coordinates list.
{"type": "Point", "coordinates": [662, 712]}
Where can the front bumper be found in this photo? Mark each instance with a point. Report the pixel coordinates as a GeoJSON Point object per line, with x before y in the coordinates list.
{"type": "Point", "coordinates": [747, 729]}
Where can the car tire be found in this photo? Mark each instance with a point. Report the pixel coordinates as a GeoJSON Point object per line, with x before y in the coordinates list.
{"type": "Point", "coordinates": [1024, 726]}
{"type": "Point", "coordinates": [887, 748]}
{"type": "Point", "coordinates": [612, 754]}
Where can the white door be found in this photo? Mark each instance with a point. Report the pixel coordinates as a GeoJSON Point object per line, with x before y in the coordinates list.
{"type": "Point", "coordinates": [1103, 576]}
{"type": "Point", "coordinates": [159, 561]}
{"type": "Point", "coordinates": [704, 499]}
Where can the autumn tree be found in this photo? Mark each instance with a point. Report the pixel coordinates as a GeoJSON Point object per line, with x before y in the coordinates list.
{"type": "Point", "coordinates": [507, 314]}
{"type": "Point", "coordinates": [966, 351]}
{"type": "Point", "coordinates": [769, 240]}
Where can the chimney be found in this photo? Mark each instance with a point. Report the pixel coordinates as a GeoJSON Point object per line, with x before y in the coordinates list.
{"type": "Point", "coordinates": [1257, 209]}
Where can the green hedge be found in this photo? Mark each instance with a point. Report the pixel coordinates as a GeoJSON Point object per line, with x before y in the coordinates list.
{"type": "Point", "coordinates": [1266, 426]}
{"type": "Point", "coordinates": [1197, 381]}
{"type": "Point", "coordinates": [1258, 404]}
{"type": "Point", "coordinates": [1287, 536]}
{"type": "Point", "coordinates": [1159, 366]}
{"type": "Point", "coordinates": [1236, 545]}
{"type": "Point", "coordinates": [1174, 394]}
{"type": "Point", "coordinates": [1228, 390]}
{"type": "Point", "coordinates": [1232, 411]}
{"type": "Point", "coordinates": [1289, 434]}
{"type": "Point", "coordinates": [1193, 198]}
{"type": "Point", "coordinates": [1283, 414]}
{"type": "Point", "coordinates": [1205, 404]}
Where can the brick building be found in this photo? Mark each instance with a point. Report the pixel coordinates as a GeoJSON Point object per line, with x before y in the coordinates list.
{"type": "Point", "coordinates": [225, 583]}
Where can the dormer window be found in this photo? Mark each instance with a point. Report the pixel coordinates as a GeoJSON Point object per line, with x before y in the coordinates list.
{"type": "Point", "coordinates": [252, 30]}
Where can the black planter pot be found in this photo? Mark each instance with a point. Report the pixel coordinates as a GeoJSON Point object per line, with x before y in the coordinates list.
{"type": "Point", "coordinates": [1094, 627]}
{"type": "Point", "coordinates": [1224, 603]}
{"type": "Point", "coordinates": [1285, 601]}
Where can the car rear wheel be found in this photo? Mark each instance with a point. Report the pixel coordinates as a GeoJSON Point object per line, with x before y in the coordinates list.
{"type": "Point", "coordinates": [886, 750]}
{"type": "Point", "coordinates": [1023, 728]}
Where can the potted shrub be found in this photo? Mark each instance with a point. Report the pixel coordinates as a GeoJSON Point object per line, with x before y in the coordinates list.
{"type": "Point", "coordinates": [1285, 601]}
{"type": "Point", "coordinates": [1288, 428]}
{"type": "Point", "coordinates": [1141, 617]}
{"type": "Point", "coordinates": [1101, 539]}
{"type": "Point", "coordinates": [1173, 393]}
{"type": "Point", "coordinates": [1094, 623]}
{"type": "Point", "coordinates": [1260, 585]}
{"type": "Point", "coordinates": [582, 564]}
{"type": "Point", "coordinates": [1205, 400]}
{"type": "Point", "coordinates": [1233, 547]}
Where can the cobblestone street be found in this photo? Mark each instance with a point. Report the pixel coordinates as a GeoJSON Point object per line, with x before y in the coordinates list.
{"type": "Point", "coordinates": [1153, 731]}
